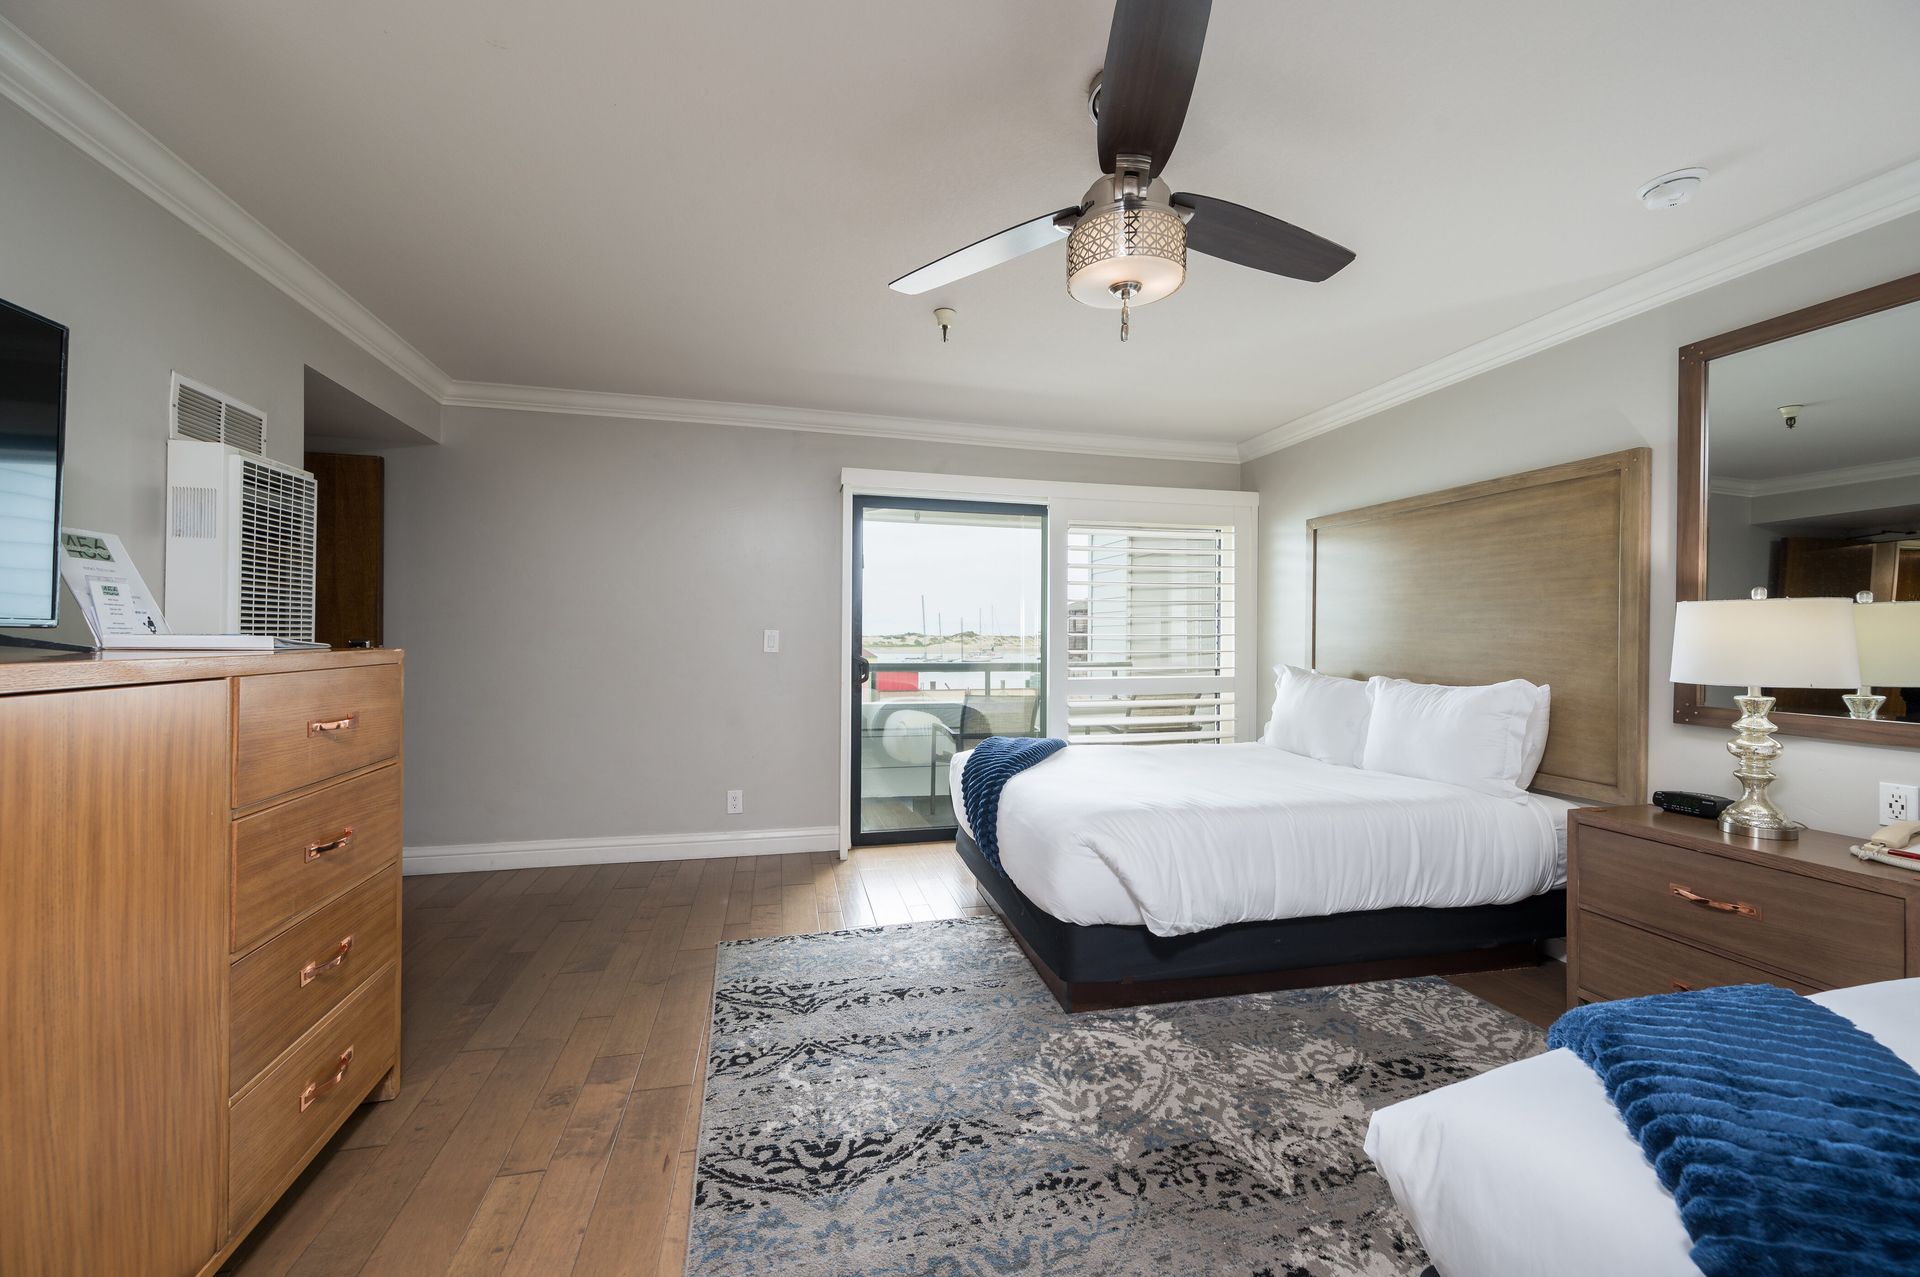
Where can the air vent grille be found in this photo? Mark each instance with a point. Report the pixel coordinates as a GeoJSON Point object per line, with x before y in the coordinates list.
{"type": "Point", "coordinates": [203, 413]}
{"type": "Point", "coordinates": [194, 512]}
{"type": "Point", "coordinates": [276, 550]}
{"type": "Point", "coordinates": [246, 429]}
{"type": "Point", "coordinates": [196, 414]}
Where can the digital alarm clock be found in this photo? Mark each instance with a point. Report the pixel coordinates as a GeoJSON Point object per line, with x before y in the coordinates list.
{"type": "Point", "coordinates": [1684, 803]}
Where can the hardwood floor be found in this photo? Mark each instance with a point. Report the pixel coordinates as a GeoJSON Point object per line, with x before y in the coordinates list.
{"type": "Point", "coordinates": [555, 1043]}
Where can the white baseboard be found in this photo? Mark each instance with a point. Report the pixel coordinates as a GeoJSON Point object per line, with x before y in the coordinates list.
{"type": "Point", "coordinates": [610, 851]}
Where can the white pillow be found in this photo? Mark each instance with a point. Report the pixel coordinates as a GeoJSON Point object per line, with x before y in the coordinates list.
{"type": "Point", "coordinates": [1536, 735]}
{"type": "Point", "coordinates": [1474, 737]}
{"type": "Point", "coordinates": [1319, 715]}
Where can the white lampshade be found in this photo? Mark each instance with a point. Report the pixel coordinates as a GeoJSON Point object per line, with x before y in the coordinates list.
{"type": "Point", "coordinates": [1766, 643]}
{"type": "Point", "coordinates": [1889, 644]}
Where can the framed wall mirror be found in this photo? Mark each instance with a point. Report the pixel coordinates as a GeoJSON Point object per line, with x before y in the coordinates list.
{"type": "Point", "coordinates": [1800, 473]}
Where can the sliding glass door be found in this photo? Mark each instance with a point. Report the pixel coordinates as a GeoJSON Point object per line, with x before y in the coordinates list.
{"type": "Point", "coordinates": [949, 635]}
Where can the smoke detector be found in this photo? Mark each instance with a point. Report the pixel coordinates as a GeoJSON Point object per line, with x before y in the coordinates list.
{"type": "Point", "coordinates": [1670, 190]}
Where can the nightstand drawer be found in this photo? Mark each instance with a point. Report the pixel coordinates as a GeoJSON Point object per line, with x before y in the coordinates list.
{"type": "Point", "coordinates": [1618, 961]}
{"type": "Point", "coordinates": [1831, 934]}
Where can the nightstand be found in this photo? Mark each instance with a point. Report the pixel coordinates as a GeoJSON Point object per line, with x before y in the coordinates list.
{"type": "Point", "coordinates": [1658, 903]}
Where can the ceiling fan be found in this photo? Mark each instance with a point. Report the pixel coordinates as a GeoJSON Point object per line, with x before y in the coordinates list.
{"type": "Point", "coordinates": [1127, 238]}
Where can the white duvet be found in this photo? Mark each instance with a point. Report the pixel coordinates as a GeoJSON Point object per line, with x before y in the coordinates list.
{"type": "Point", "coordinates": [1528, 1169]}
{"type": "Point", "coordinates": [1181, 838]}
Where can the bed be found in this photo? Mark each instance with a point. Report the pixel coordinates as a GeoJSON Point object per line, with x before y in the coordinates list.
{"type": "Point", "coordinates": [1140, 874]}
{"type": "Point", "coordinates": [1528, 1168]}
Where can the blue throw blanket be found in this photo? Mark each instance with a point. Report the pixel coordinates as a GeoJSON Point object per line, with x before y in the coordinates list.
{"type": "Point", "coordinates": [1789, 1138]}
{"type": "Point", "coordinates": [995, 761]}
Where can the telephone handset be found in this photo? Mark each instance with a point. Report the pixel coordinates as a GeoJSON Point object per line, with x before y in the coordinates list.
{"type": "Point", "coordinates": [1891, 846]}
{"type": "Point", "coordinates": [1898, 834]}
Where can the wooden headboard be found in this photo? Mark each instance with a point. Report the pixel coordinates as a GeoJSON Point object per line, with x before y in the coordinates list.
{"type": "Point", "coordinates": [1541, 576]}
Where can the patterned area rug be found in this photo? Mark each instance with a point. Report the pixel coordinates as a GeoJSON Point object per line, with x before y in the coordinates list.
{"type": "Point", "coordinates": [907, 1100]}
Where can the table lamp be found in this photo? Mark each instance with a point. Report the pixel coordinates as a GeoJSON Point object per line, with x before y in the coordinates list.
{"type": "Point", "coordinates": [1761, 642]}
{"type": "Point", "coordinates": [1889, 651]}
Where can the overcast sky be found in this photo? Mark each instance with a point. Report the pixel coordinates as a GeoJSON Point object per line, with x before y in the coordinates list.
{"type": "Point", "coordinates": [962, 572]}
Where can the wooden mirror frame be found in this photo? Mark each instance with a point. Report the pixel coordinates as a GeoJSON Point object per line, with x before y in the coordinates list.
{"type": "Point", "coordinates": [1689, 702]}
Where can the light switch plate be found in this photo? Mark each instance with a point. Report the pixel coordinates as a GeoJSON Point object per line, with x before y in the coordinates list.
{"type": "Point", "coordinates": [770, 640]}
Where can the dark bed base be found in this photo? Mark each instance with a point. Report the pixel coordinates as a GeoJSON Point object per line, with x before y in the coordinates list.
{"type": "Point", "coordinates": [1101, 967]}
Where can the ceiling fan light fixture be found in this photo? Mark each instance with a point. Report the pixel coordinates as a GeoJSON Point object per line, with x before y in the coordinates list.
{"type": "Point", "coordinates": [1127, 243]}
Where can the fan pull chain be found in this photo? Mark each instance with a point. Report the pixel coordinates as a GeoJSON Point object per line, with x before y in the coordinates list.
{"type": "Point", "coordinates": [1123, 317]}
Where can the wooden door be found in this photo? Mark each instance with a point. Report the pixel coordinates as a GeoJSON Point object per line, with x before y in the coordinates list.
{"type": "Point", "coordinates": [112, 978]}
{"type": "Point", "coordinates": [349, 580]}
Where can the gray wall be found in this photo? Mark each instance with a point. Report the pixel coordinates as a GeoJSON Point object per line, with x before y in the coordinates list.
{"type": "Point", "coordinates": [582, 602]}
{"type": "Point", "coordinates": [1613, 389]}
{"type": "Point", "coordinates": [144, 295]}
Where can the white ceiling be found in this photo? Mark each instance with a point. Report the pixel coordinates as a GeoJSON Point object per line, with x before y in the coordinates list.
{"type": "Point", "coordinates": [1858, 381]}
{"type": "Point", "coordinates": [706, 200]}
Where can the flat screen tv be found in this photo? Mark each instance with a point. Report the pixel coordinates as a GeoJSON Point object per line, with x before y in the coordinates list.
{"type": "Point", "coordinates": [33, 402]}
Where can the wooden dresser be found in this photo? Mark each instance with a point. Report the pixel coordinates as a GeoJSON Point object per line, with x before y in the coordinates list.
{"type": "Point", "coordinates": [199, 943]}
{"type": "Point", "coordinates": [1658, 902]}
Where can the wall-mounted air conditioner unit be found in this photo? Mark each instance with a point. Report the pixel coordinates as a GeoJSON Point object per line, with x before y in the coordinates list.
{"type": "Point", "coordinates": [239, 543]}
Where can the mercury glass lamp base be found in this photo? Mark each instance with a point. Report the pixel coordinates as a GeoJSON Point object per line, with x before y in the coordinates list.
{"type": "Point", "coordinates": [1786, 831]}
{"type": "Point", "coordinates": [1753, 814]}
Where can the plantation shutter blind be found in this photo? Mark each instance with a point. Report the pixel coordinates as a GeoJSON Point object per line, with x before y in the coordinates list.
{"type": "Point", "coordinates": [1151, 625]}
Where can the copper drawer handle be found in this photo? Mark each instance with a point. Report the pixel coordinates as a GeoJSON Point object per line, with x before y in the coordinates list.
{"type": "Point", "coordinates": [1722, 906]}
{"type": "Point", "coordinates": [312, 969]}
{"type": "Point", "coordinates": [315, 850]}
{"type": "Point", "coordinates": [332, 725]}
{"type": "Point", "coordinates": [317, 1089]}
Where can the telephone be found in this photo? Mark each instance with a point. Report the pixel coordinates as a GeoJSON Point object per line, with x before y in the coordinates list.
{"type": "Point", "coordinates": [1890, 846]}
{"type": "Point", "coordinates": [1898, 834]}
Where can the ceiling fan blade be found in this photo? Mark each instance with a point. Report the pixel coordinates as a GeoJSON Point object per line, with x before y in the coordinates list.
{"type": "Point", "coordinates": [1235, 233]}
{"type": "Point", "coordinates": [1153, 54]}
{"type": "Point", "coordinates": [1015, 241]}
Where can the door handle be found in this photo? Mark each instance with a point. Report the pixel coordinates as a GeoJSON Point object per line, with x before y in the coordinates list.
{"type": "Point", "coordinates": [862, 669]}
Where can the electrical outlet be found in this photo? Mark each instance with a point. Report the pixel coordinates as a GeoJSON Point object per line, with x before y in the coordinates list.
{"type": "Point", "coordinates": [1898, 802]}
{"type": "Point", "coordinates": [770, 640]}
{"type": "Point", "coordinates": [736, 801]}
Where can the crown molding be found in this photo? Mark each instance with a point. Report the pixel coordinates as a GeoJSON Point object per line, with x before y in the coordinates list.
{"type": "Point", "coordinates": [46, 89]}
{"type": "Point", "coordinates": [1893, 194]}
{"type": "Point", "coordinates": [1813, 481]}
{"type": "Point", "coordinates": [43, 87]}
{"type": "Point", "coordinates": [708, 412]}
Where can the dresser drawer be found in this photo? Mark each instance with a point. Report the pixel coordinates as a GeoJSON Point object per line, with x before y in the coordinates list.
{"type": "Point", "coordinates": [1618, 961]}
{"type": "Point", "coordinates": [297, 1103]}
{"type": "Point", "coordinates": [295, 730]}
{"type": "Point", "coordinates": [284, 987]}
{"type": "Point", "coordinates": [1833, 935]}
{"type": "Point", "coordinates": [290, 858]}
